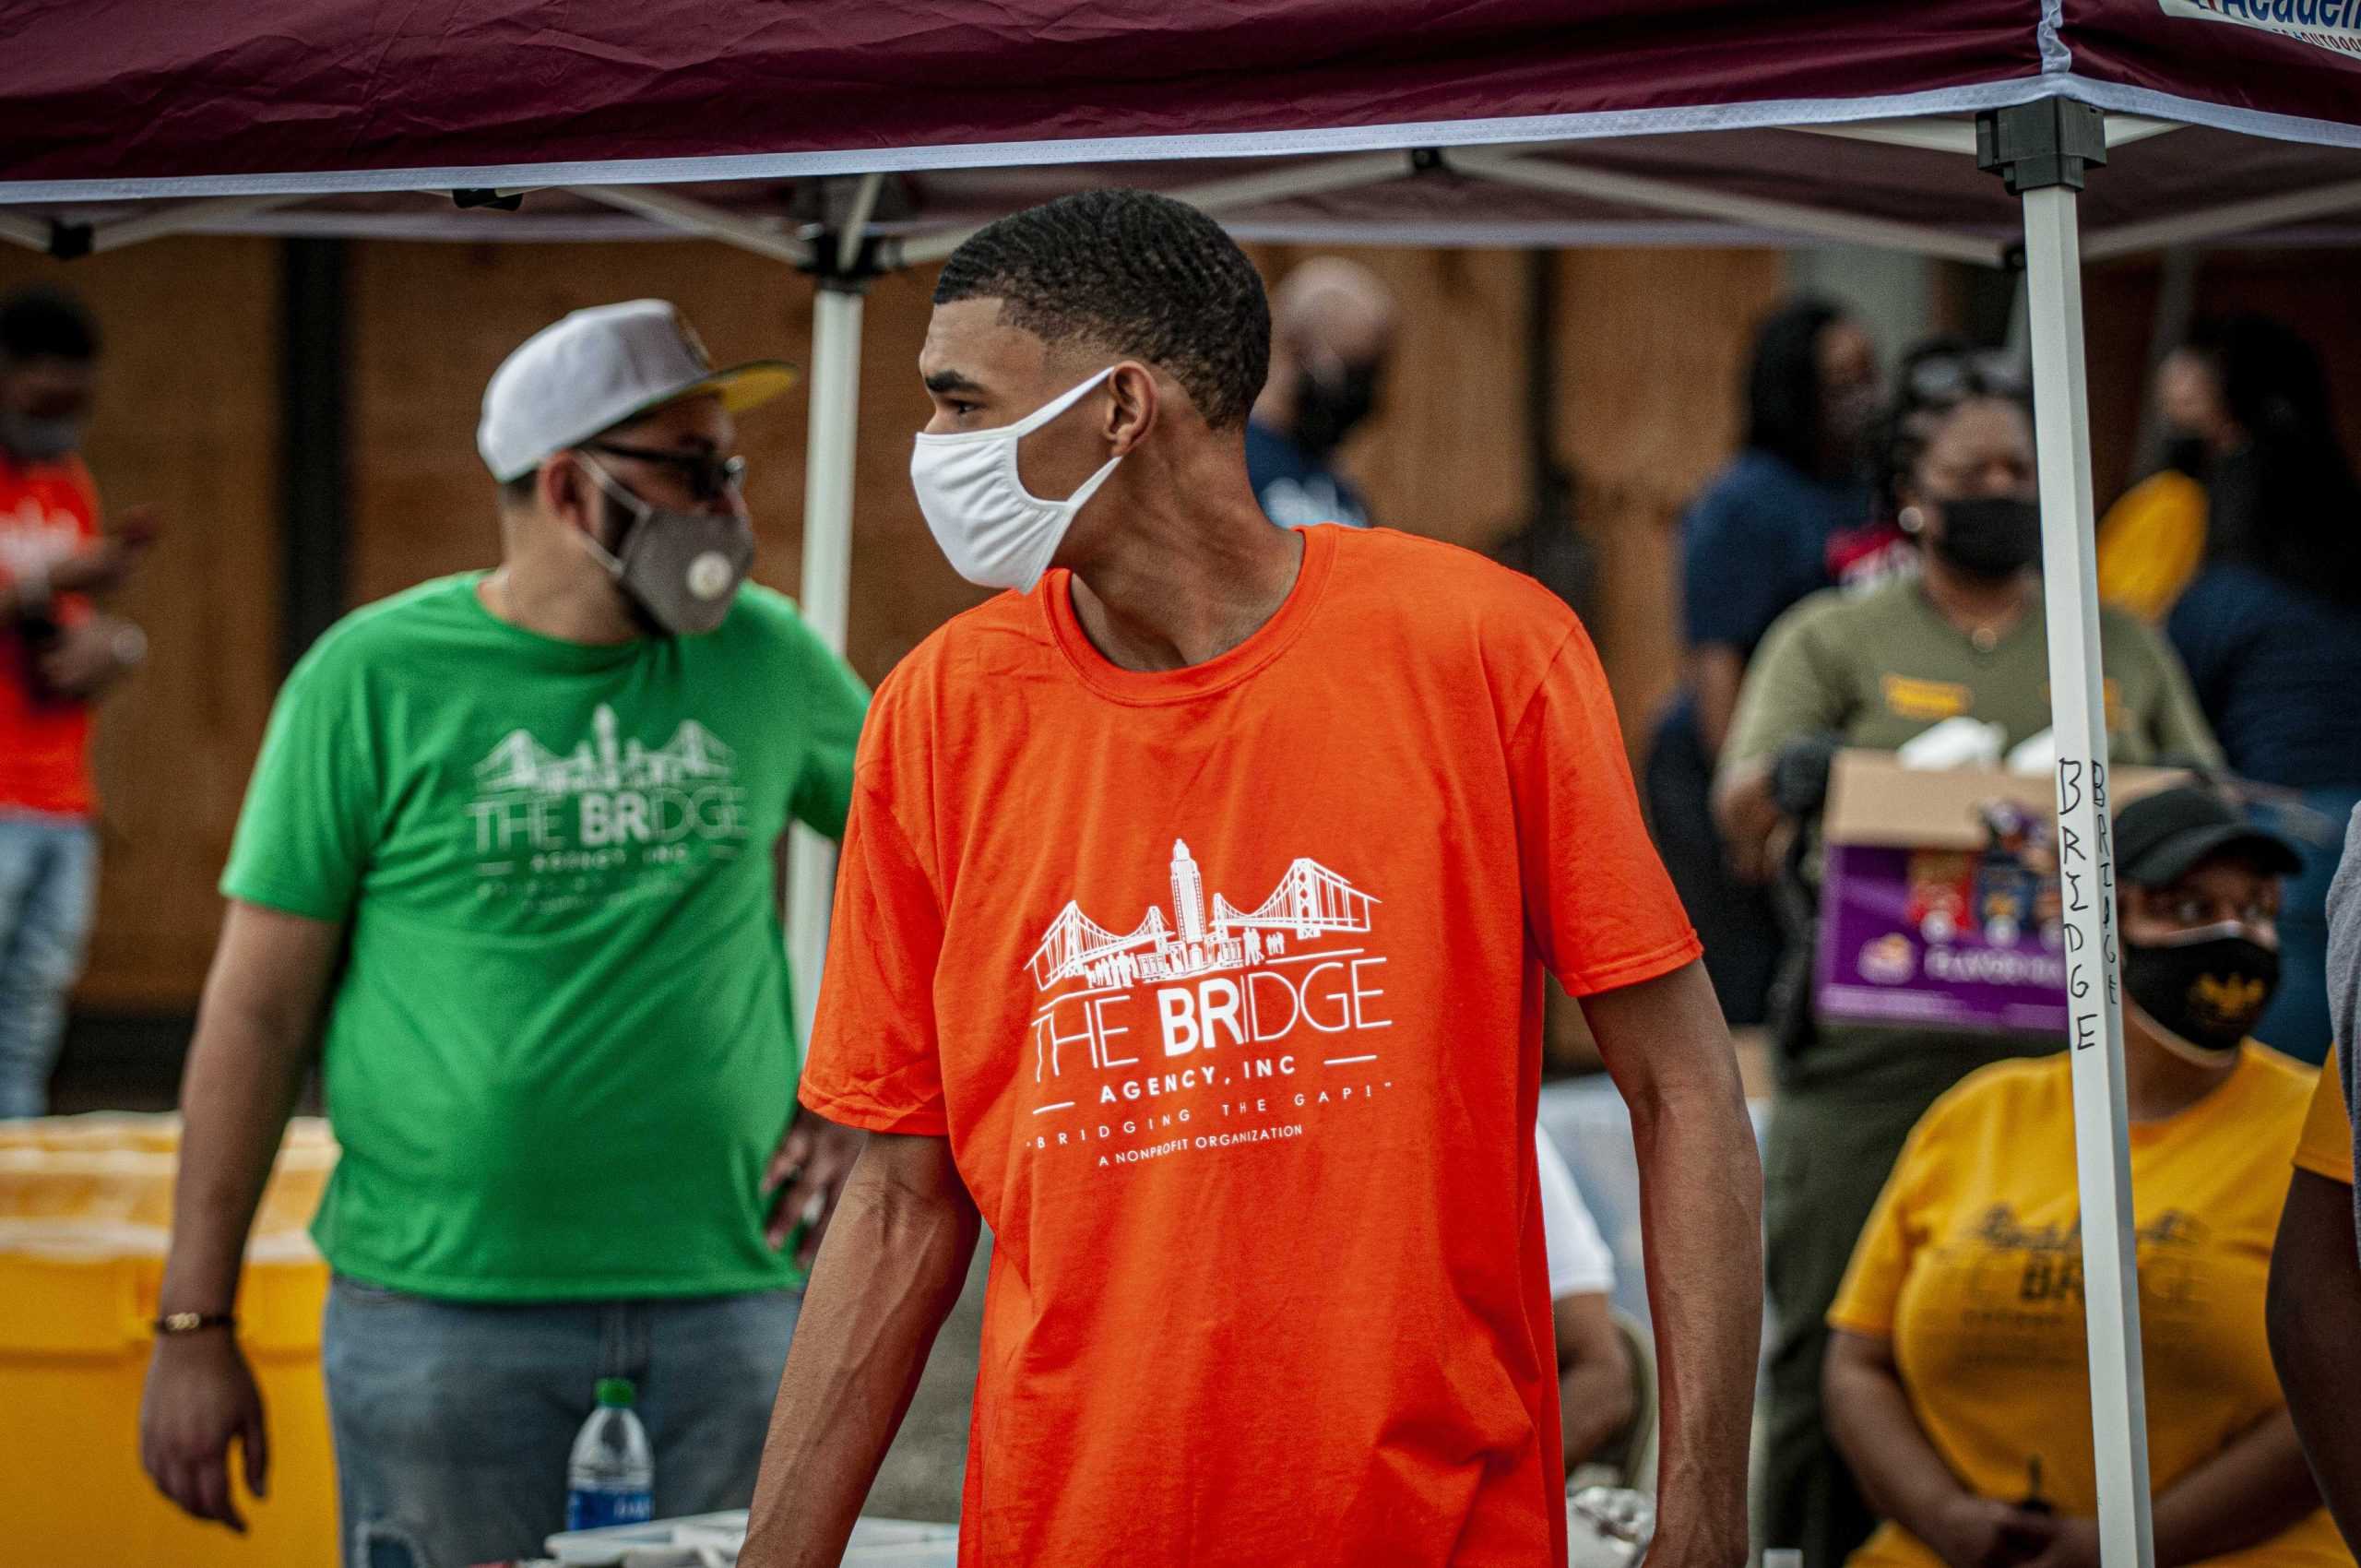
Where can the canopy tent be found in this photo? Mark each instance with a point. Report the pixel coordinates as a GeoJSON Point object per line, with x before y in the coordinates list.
{"type": "Point", "coordinates": [1673, 121]}
{"type": "Point", "coordinates": [1486, 121]}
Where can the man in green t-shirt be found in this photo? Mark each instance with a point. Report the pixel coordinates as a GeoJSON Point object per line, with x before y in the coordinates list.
{"type": "Point", "coordinates": [515, 830]}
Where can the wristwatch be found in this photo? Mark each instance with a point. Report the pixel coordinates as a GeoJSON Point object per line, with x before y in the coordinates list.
{"type": "Point", "coordinates": [173, 1323]}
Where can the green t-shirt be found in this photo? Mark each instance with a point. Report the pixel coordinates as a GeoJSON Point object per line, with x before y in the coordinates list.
{"type": "Point", "coordinates": [562, 1048]}
{"type": "Point", "coordinates": [1878, 667]}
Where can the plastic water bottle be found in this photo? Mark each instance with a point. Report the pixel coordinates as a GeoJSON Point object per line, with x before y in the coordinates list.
{"type": "Point", "coordinates": [611, 1479]}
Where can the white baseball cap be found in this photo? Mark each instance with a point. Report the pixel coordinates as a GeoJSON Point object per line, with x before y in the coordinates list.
{"type": "Point", "coordinates": [597, 368]}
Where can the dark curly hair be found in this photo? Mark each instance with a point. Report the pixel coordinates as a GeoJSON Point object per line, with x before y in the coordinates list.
{"type": "Point", "coordinates": [1134, 272]}
{"type": "Point", "coordinates": [1933, 379]}
{"type": "Point", "coordinates": [2288, 501]}
{"type": "Point", "coordinates": [1783, 389]}
{"type": "Point", "coordinates": [40, 322]}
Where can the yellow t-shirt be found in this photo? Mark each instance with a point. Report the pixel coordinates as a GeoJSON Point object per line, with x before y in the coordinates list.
{"type": "Point", "coordinates": [1972, 1266]}
{"type": "Point", "coordinates": [2326, 1146]}
{"type": "Point", "coordinates": [2151, 543]}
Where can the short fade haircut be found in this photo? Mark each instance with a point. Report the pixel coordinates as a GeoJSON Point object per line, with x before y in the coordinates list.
{"type": "Point", "coordinates": [1138, 273]}
{"type": "Point", "coordinates": [45, 323]}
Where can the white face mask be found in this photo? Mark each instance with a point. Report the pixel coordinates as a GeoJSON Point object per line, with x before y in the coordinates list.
{"type": "Point", "coordinates": [995, 532]}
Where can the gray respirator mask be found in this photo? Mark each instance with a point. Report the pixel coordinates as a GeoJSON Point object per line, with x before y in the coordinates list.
{"type": "Point", "coordinates": [682, 570]}
{"type": "Point", "coordinates": [33, 439]}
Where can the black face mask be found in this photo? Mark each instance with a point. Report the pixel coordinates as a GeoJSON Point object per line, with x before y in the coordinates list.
{"type": "Point", "coordinates": [2189, 454]}
{"type": "Point", "coordinates": [2208, 986]}
{"type": "Point", "coordinates": [1990, 536]}
{"type": "Point", "coordinates": [1327, 411]}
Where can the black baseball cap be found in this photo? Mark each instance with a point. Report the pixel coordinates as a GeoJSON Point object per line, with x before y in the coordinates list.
{"type": "Point", "coordinates": [2159, 838]}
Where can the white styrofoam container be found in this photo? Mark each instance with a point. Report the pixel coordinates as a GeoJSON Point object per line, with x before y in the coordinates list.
{"type": "Point", "coordinates": [930, 1546]}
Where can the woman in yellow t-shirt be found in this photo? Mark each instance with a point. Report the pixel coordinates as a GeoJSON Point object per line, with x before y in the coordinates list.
{"type": "Point", "coordinates": [1958, 1381]}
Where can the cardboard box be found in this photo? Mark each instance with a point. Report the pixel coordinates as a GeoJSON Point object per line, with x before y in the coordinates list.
{"type": "Point", "coordinates": [1938, 901]}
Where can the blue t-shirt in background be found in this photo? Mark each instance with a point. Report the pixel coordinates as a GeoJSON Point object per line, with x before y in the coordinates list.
{"type": "Point", "coordinates": [1296, 488]}
{"type": "Point", "coordinates": [1756, 542]}
{"type": "Point", "coordinates": [2274, 666]}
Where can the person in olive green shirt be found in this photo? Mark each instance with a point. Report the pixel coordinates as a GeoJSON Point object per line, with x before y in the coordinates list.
{"type": "Point", "coordinates": [1964, 637]}
{"type": "Point", "coordinates": [516, 830]}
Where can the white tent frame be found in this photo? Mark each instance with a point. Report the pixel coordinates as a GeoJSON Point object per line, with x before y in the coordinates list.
{"type": "Point", "coordinates": [1510, 152]}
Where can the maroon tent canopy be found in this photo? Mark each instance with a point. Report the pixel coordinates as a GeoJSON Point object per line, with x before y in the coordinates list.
{"type": "Point", "coordinates": [1476, 121]}
{"type": "Point", "coordinates": [276, 98]}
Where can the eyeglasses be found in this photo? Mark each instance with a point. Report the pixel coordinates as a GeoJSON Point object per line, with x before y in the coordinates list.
{"type": "Point", "coordinates": [1948, 378]}
{"type": "Point", "coordinates": [709, 475]}
{"type": "Point", "coordinates": [2194, 911]}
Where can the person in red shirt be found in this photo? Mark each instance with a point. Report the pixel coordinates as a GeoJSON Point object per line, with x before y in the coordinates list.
{"type": "Point", "coordinates": [58, 654]}
{"type": "Point", "coordinates": [1191, 931]}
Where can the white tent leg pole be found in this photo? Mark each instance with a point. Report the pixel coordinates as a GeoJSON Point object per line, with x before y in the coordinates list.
{"type": "Point", "coordinates": [2086, 865]}
{"type": "Point", "coordinates": [827, 591]}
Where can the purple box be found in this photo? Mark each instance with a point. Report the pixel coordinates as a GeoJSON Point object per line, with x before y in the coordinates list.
{"type": "Point", "coordinates": [1938, 938]}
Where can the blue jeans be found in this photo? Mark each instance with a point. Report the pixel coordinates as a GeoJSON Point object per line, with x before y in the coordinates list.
{"type": "Point", "coordinates": [49, 869]}
{"type": "Point", "coordinates": [453, 1422]}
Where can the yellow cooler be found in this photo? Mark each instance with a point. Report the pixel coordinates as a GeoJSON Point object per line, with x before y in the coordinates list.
{"type": "Point", "coordinates": [85, 1207]}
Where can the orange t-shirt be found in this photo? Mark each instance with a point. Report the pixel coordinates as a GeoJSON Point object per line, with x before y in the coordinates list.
{"type": "Point", "coordinates": [1226, 985]}
{"type": "Point", "coordinates": [48, 511]}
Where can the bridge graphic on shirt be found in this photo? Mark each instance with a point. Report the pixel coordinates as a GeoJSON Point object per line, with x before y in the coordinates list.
{"type": "Point", "coordinates": [520, 764]}
{"type": "Point", "coordinates": [1311, 900]}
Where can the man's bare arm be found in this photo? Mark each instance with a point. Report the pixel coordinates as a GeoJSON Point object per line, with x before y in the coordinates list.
{"type": "Point", "coordinates": [2254, 1487]}
{"type": "Point", "coordinates": [888, 1273]}
{"type": "Point", "coordinates": [1701, 1201]}
{"type": "Point", "coordinates": [2314, 1317]}
{"type": "Point", "coordinates": [1748, 817]}
{"type": "Point", "coordinates": [1595, 1395]}
{"type": "Point", "coordinates": [1716, 672]}
{"type": "Point", "coordinates": [253, 1036]}
{"type": "Point", "coordinates": [1872, 1425]}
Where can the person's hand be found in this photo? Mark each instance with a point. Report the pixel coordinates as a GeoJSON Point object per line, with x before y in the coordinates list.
{"type": "Point", "coordinates": [201, 1397]}
{"type": "Point", "coordinates": [86, 659]}
{"type": "Point", "coordinates": [1977, 1532]}
{"type": "Point", "coordinates": [105, 563]}
{"type": "Point", "coordinates": [1754, 842]}
{"type": "Point", "coordinates": [2076, 1544]}
{"type": "Point", "coordinates": [806, 1177]}
{"type": "Point", "coordinates": [1799, 774]}
{"type": "Point", "coordinates": [138, 527]}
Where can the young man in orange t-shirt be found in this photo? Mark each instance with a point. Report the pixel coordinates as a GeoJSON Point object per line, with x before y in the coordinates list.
{"type": "Point", "coordinates": [57, 655]}
{"type": "Point", "coordinates": [1192, 932]}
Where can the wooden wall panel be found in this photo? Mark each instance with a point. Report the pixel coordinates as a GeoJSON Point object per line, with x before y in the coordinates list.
{"type": "Point", "coordinates": [431, 322]}
{"type": "Point", "coordinates": [187, 420]}
{"type": "Point", "coordinates": [1651, 347]}
{"type": "Point", "coordinates": [1446, 454]}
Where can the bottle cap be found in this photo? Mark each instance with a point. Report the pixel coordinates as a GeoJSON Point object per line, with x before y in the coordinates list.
{"type": "Point", "coordinates": [616, 1393]}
